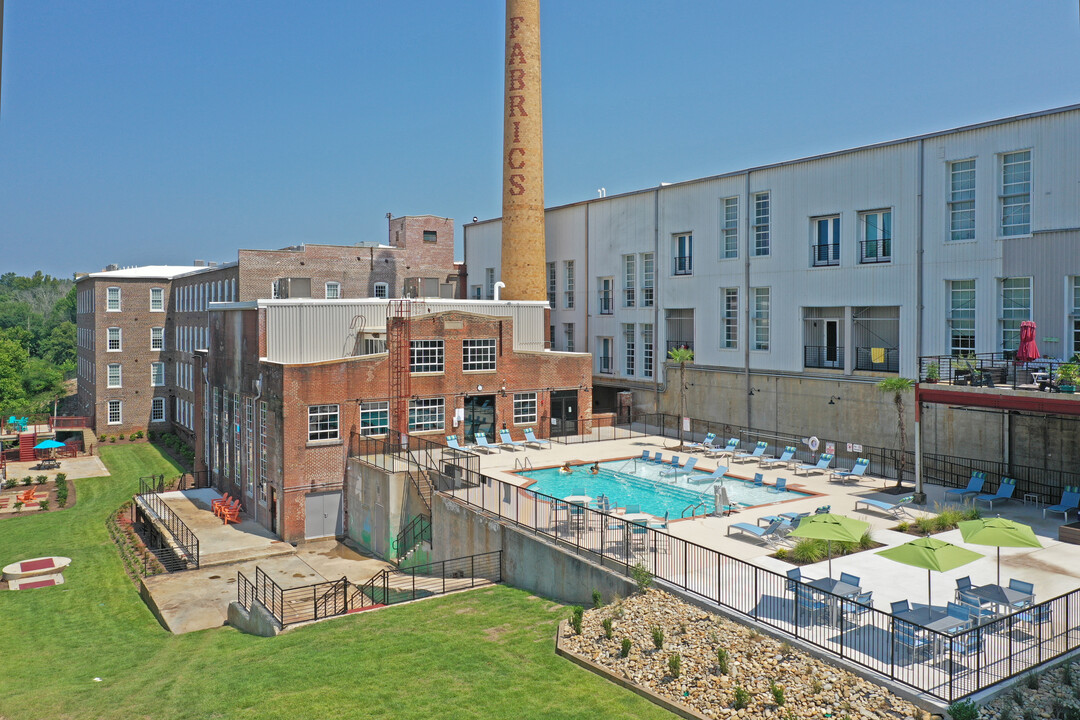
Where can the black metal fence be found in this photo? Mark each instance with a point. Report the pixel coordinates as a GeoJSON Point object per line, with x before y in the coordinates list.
{"type": "Point", "coordinates": [877, 359]}
{"type": "Point", "coordinates": [943, 665]}
{"type": "Point", "coordinates": [955, 472]}
{"type": "Point", "coordinates": [294, 605]}
{"type": "Point", "coordinates": [177, 548]}
{"type": "Point", "coordinates": [404, 584]}
{"type": "Point", "coordinates": [418, 530]}
{"type": "Point", "coordinates": [997, 369]}
{"type": "Point", "coordinates": [823, 356]}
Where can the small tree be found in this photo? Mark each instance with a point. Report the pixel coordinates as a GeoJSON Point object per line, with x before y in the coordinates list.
{"type": "Point", "coordinates": [897, 386]}
{"type": "Point", "coordinates": [681, 355]}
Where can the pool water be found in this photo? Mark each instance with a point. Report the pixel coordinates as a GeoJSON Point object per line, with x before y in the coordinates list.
{"type": "Point", "coordinates": [632, 482]}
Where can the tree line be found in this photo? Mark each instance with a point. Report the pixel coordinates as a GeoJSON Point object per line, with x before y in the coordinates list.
{"type": "Point", "coordinates": [37, 341]}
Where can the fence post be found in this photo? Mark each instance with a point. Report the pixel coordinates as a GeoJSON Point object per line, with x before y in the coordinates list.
{"type": "Point", "coordinates": [472, 571]}
{"type": "Point", "coordinates": [315, 600]}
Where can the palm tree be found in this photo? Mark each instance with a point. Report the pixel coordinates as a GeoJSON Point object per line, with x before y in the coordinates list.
{"type": "Point", "coordinates": [897, 386]}
{"type": "Point", "coordinates": [681, 355]}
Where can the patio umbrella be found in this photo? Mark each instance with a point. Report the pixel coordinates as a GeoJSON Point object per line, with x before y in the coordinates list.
{"type": "Point", "coordinates": [829, 527]}
{"type": "Point", "coordinates": [998, 532]}
{"type": "Point", "coordinates": [1028, 350]}
{"type": "Point", "coordinates": [931, 554]}
{"type": "Point", "coordinates": [48, 445]}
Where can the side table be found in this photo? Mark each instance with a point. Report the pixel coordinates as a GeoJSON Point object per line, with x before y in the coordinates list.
{"type": "Point", "coordinates": [1031, 498]}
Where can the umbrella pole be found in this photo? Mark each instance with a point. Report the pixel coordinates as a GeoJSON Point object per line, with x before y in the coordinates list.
{"type": "Point", "coordinates": [828, 546]}
{"type": "Point", "coordinates": [928, 603]}
{"type": "Point", "coordinates": [999, 565]}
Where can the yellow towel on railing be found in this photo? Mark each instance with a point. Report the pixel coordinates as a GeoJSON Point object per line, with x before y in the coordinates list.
{"type": "Point", "coordinates": [877, 355]}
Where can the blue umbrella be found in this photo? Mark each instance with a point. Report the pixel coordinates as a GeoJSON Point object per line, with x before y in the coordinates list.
{"type": "Point", "coordinates": [49, 445]}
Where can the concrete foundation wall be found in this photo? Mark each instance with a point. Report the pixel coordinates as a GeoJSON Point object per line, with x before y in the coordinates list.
{"type": "Point", "coordinates": [528, 561]}
{"type": "Point", "coordinates": [374, 499]}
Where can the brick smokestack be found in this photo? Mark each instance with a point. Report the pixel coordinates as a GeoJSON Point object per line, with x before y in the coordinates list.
{"type": "Point", "coordinates": [523, 252]}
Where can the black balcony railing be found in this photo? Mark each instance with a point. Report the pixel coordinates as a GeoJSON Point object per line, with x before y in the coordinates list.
{"type": "Point", "coordinates": [875, 251]}
{"type": "Point", "coordinates": [606, 365]}
{"type": "Point", "coordinates": [823, 356]}
{"type": "Point", "coordinates": [680, 345]}
{"type": "Point", "coordinates": [879, 359]}
{"type": "Point", "coordinates": [605, 303]}
{"type": "Point", "coordinates": [999, 369]}
{"type": "Point", "coordinates": [684, 265]}
{"type": "Point", "coordinates": [825, 255]}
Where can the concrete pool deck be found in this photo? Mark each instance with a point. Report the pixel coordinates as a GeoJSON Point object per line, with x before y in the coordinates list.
{"type": "Point", "coordinates": [1054, 569]}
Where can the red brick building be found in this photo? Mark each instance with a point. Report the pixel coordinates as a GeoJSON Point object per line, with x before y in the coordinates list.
{"type": "Point", "coordinates": [288, 381]}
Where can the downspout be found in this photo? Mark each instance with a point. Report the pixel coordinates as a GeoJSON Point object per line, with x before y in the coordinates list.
{"type": "Point", "coordinates": [746, 304]}
{"type": "Point", "coordinates": [656, 301]}
{"type": "Point", "coordinates": [920, 496]}
{"type": "Point", "coordinates": [586, 284]}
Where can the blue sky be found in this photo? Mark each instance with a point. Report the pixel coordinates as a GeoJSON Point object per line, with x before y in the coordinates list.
{"type": "Point", "coordinates": [160, 132]}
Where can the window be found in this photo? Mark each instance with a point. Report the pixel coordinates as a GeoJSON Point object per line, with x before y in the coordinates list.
{"type": "Point", "coordinates": [375, 418]}
{"type": "Point", "coordinates": [157, 410]}
{"type": "Point", "coordinates": [646, 350]}
{"type": "Point", "coordinates": [489, 283]}
{"type": "Point", "coordinates": [157, 374]}
{"type": "Point", "coordinates": [761, 224]}
{"type": "Point", "coordinates": [730, 315]}
{"type": "Point", "coordinates": [605, 285]}
{"type": "Point", "coordinates": [629, 348]}
{"type": "Point", "coordinates": [116, 412]}
{"type": "Point", "coordinates": [333, 290]}
{"type": "Point", "coordinates": [114, 377]}
{"type": "Point", "coordinates": [275, 290]}
{"type": "Point", "coordinates": [322, 422]}
{"type": "Point", "coordinates": [382, 290]}
{"type": "Point", "coordinates": [683, 262]}
{"type": "Point", "coordinates": [262, 452]}
{"type": "Point", "coordinates": [552, 287]}
{"type": "Point", "coordinates": [760, 317]}
{"type": "Point", "coordinates": [876, 243]}
{"type": "Point", "coordinates": [648, 278]}
{"type": "Point", "coordinates": [112, 299]}
{"type": "Point", "coordinates": [729, 229]}
{"type": "Point", "coordinates": [604, 358]}
{"type": "Point", "coordinates": [114, 340]}
{"type": "Point", "coordinates": [478, 354]}
{"type": "Point", "coordinates": [1076, 314]}
{"type": "Point", "coordinates": [568, 334]}
{"type": "Point", "coordinates": [961, 317]}
{"type": "Point", "coordinates": [629, 280]}
{"type": "Point", "coordinates": [157, 300]}
{"type": "Point", "coordinates": [426, 414]}
{"type": "Point", "coordinates": [962, 200]}
{"type": "Point", "coordinates": [425, 356]}
{"type": "Point", "coordinates": [568, 272]}
{"type": "Point", "coordinates": [826, 241]}
{"type": "Point", "coordinates": [1016, 193]}
{"type": "Point", "coordinates": [157, 338]}
{"type": "Point", "coordinates": [525, 408]}
{"type": "Point", "coordinates": [1015, 308]}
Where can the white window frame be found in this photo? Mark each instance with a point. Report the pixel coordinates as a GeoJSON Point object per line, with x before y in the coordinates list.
{"type": "Point", "coordinates": [647, 350]}
{"type": "Point", "coordinates": [552, 285]}
{"type": "Point", "coordinates": [962, 185]}
{"type": "Point", "coordinates": [324, 423]}
{"type": "Point", "coordinates": [729, 318]}
{"type": "Point", "coordinates": [869, 232]}
{"type": "Point", "coordinates": [1014, 202]}
{"type": "Point", "coordinates": [682, 248]}
{"type": "Point", "coordinates": [275, 290]}
{"type": "Point", "coordinates": [489, 283]}
{"type": "Point", "coordinates": [568, 284]}
{"type": "Point", "coordinates": [525, 408]}
{"type": "Point", "coordinates": [1014, 314]}
{"type": "Point", "coordinates": [427, 357]}
{"type": "Point", "coordinates": [478, 355]}
{"type": "Point", "coordinates": [160, 301]}
{"type": "Point", "coordinates": [113, 304]}
{"type": "Point", "coordinates": [760, 318]}
{"type": "Point", "coordinates": [335, 287]}
{"type": "Point", "coordinates": [605, 295]}
{"type": "Point", "coordinates": [568, 336]}
{"type": "Point", "coordinates": [648, 279]}
{"type": "Point", "coordinates": [157, 374]}
{"type": "Point", "coordinates": [629, 263]}
{"type": "Point", "coordinates": [729, 229]}
{"type": "Point", "coordinates": [109, 381]}
{"type": "Point", "coordinates": [762, 223]}
{"type": "Point", "coordinates": [384, 287]}
{"type": "Point", "coordinates": [115, 407]}
{"type": "Point", "coordinates": [427, 414]}
{"type": "Point", "coordinates": [157, 409]}
{"type": "Point", "coordinates": [119, 340]}
{"type": "Point", "coordinates": [959, 323]}
{"type": "Point", "coordinates": [629, 349]}
{"type": "Point", "coordinates": [831, 224]}
{"type": "Point", "coordinates": [157, 338]}
{"type": "Point", "coordinates": [375, 417]}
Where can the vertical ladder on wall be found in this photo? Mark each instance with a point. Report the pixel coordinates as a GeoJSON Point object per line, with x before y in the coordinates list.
{"type": "Point", "coordinates": [397, 345]}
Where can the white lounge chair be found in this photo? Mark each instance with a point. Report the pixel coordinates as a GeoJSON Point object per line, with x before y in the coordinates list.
{"type": "Point", "coordinates": [531, 439]}
{"type": "Point", "coordinates": [483, 444]}
{"type": "Point", "coordinates": [506, 441]}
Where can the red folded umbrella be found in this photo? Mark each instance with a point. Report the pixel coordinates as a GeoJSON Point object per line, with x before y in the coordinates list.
{"type": "Point", "coordinates": [1028, 350]}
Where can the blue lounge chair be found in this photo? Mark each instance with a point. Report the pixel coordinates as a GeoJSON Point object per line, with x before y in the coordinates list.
{"type": "Point", "coordinates": [895, 509]}
{"type": "Point", "coordinates": [1070, 500]}
{"type": "Point", "coordinates": [675, 469]}
{"type": "Point", "coordinates": [780, 486]}
{"type": "Point", "coordinates": [645, 456]}
{"type": "Point", "coordinates": [974, 486]}
{"type": "Point", "coordinates": [1004, 492]}
{"type": "Point", "coordinates": [769, 535]}
{"type": "Point", "coordinates": [759, 452]}
{"type": "Point", "coordinates": [787, 457]}
{"type": "Point", "coordinates": [730, 449]}
{"type": "Point", "coordinates": [854, 473]}
{"type": "Point", "coordinates": [714, 476]}
{"type": "Point", "coordinates": [483, 444]}
{"type": "Point", "coordinates": [673, 463]}
{"type": "Point", "coordinates": [703, 445]}
{"type": "Point", "coordinates": [789, 519]}
{"type": "Point", "coordinates": [531, 439]}
{"type": "Point", "coordinates": [822, 465]}
{"type": "Point", "coordinates": [506, 441]}
{"type": "Point", "coordinates": [452, 443]}
{"type": "Point", "coordinates": [758, 481]}
{"type": "Point", "coordinates": [658, 458]}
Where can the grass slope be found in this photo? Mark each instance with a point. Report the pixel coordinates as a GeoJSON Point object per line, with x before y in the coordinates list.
{"type": "Point", "coordinates": [483, 654]}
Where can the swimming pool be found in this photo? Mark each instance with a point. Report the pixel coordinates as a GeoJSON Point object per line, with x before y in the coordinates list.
{"type": "Point", "coordinates": [632, 482]}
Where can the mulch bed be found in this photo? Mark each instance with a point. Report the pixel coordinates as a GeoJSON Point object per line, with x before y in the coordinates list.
{"type": "Point", "coordinates": [49, 487]}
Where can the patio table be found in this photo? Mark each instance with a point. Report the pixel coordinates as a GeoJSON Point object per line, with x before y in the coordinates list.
{"type": "Point", "coordinates": [836, 587]}
{"type": "Point", "coordinates": [932, 618]}
{"type": "Point", "coordinates": [1000, 596]}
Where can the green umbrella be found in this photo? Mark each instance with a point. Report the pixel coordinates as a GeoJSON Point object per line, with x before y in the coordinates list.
{"type": "Point", "coordinates": [931, 554]}
{"type": "Point", "coordinates": [998, 532]}
{"type": "Point", "coordinates": [829, 527]}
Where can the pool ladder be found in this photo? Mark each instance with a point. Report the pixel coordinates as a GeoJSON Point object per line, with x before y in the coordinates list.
{"type": "Point", "coordinates": [694, 508]}
{"type": "Point", "coordinates": [523, 463]}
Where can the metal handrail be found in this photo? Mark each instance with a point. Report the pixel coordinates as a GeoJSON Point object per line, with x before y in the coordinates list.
{"type": "Point", "coordinates": [185, 539]}
{"type": "Point", "coordinates": [417, 531]}
{"type": "Point", "coordinates": [694, 508]}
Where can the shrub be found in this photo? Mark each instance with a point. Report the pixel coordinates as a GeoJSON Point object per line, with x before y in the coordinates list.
{"type": "Point", "coordinates": [786, 649]}
{"type": "Point", "coordinates": [741, 698]}
{"type": "Point", "coordinates": [865, 541]}
{"type": "Point", "coordinates": [18, 506]}
{"type": "Point", "coordinates": [673, 663]}
{"type": "Point", "coordinates": [904, 526]}
{"type": "Point", "coordinates": [972, 513]}
{"type": "Point", "coordinates": [10, 483]}
{"type": "Point", "coordinates": [151, 435]}
{"type": "Point", "coordinates": [1030, 714]}
{"type": "Point", "coordinates": [43, 504]}
{"type": "Point", "coordinates": [777, 693]}
{"type": "Point", "coordinates": [1018, 695]}
{"type": "Point", "coordinates": [137, 435]}
{"type": "Point", "coordinates": [576, 614]}
{"type": "Point", "coordinates": [722, 661]}
{"type": "Point", "coordinates": [625, 650]}
{"type": "Point", "coordinates": [658, 637]}
{"type": "Point", "coordinates": [41, 479]}
{"type": "Point", "coordinates": [103, 438]}
{"type": "Point", "coordinates": [781, 553]}
{"type": "Point", "coordinates": [607, 624]}
{"type": "Point", "coordinates": [641, 576]}
{"type": "Point", "coordinates": [808, 551]}
{"type": "Point", "coordinates": [597, 601]}
{"type": "Point", "coordinates": [112, 439]}
{"type": "Point", "coordinates": [60, 478]}
{"type": "Point", "coordinates": [816, 686]}
{"type": "Point", "coordinates": [925, 524]}
{"type": "Point", "coordinates": [27, 480]}
{"type": "Point", "coordinates": [1032, 680]}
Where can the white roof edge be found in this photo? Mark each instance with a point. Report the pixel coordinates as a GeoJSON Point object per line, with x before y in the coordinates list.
{"type": "Point", "coordinates": [154, 272]}
{"type": "Point", "coordinates": [267, 302]}
{"type": "Point", "coordinates": [244, 305]}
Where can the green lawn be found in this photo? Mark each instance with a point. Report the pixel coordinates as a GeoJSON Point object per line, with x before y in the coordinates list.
{"type": "Point", "coordinates": [487, 653]}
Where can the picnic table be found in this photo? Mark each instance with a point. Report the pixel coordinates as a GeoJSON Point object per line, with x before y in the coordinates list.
{"type": "Point", "coordinates": [48, 464]}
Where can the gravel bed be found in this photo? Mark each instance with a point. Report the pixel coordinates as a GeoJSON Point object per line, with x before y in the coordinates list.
{"type": "Point", "coordinates": [1050, 695]}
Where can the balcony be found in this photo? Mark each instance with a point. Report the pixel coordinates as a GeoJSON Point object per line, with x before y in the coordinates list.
{"type": "Point", "coordinates": [992, 370]}
{"type": "Point", "coordinates": [683, 265]}
{"type": "Point", "coordinates": [606, 306]}
{"type": "Point", "coordinates": [878, 359]}
{"type": "Point", "coordinates": [606, 366]}
{"type": "Point", "coordinates": [825, 255]}
{"type": "Point", "coordinates": [823, 356]}
{"type": "Point", "coordinates": [875, 251]}
{"type": "Point", "coordinates": [680, 345]}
